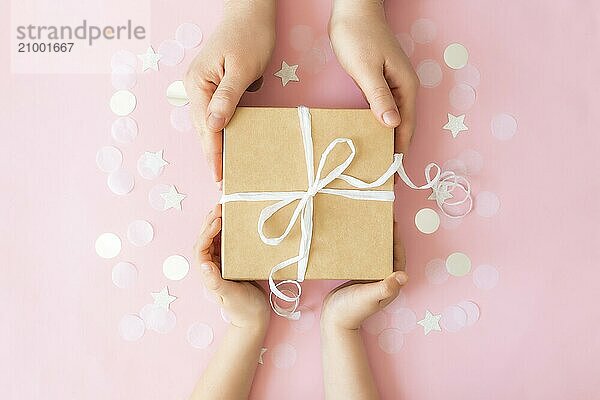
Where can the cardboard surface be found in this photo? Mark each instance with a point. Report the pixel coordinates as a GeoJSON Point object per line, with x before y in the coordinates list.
{"type": "Point", "coordinates": [263, 151]}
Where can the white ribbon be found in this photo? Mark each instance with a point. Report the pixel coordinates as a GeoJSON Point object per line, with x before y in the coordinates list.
{"type": "Point", "coordinates": [304, 208]}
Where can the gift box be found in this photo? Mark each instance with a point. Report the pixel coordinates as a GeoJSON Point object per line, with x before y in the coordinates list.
{"type": "Point", "coordinates": [267, 186]}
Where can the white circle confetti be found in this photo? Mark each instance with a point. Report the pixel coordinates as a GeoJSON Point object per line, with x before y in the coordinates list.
{"type": "Point", "coordinates": [140, 232]}
{"type": "Point", "coordinates": [472, 311]}
{"type": "Point", "coordinates": [487, 204]}
{"type": "Point", "coordinates": [427, 220]}
{"type": "Point", "coordinates": [123, 57]}
{"type": "Point", "coordinates": [458, 264]}
{"type": "Point", "coordinates": [176, 267]}
{"type": "Point", "coordinates": [123, 77]}
{"type": "Point", "coordinates": [473, 161]}
{"type": "Point", "coordinates": [456, 56]}
{"type": "Point", "coordinates": [131, 327]}
{"type": "Point", "coordinates": [423, 31]}
{"type": "Point", "coordinates": [405, 320]}
{"type": "Point", "coordinates": [469, 75]}
{"type": "Point", "coordinates": [180, 118]}
{"type": "Point", "coordinates": [122, 102]}
{"type": "Point", "coordinates": [146, 166]}
{"type": "Point", "coordinates": [120, 182]}
{"type": "Point", "coordinates": [486, 277]}
{"type": "Point", "coordinates": [108, 245]}
{"type": "Point", "coordinates": [455, 165]}
{"type": "Point", "coordinates": [436, 272]}
{"type": "Point", "coordinates": [159, 319]}
{"type": "Point", "coordinates": [450, 223]}
{"type": "Point", "coordinates": [504, 126]}
{"type": "Point", "coordinates": [124, 130]}
{"type": "Point", "coordinates": [462, 97]}
{"type": "Point", "coordinates": [124, 275]}
{"type": "Point", "coordinates": [200, 335]}
{"type": "Point", "coordinates": [154, 196]}
{"type": "Point", "coordinates": [375, 323]}
{"type": "Point", "coordinates": [453, 319]}
{"type": "Point", "coordinates": [390, 340]}
{"type": "Point", "coordinates": [171, 51]}
{"type": "Point", "coordinates": [189, 35]}
{"type": "Point", "coordinates": [176, 94]}
{"type": "Point", "coordinates": [429, 73]}
{"type": "Point", "coordinates": [284, 356]}
{"type": "Point", "coordinates": [109, 159]}
{"type": "Point", "coordinates": [224, 316]}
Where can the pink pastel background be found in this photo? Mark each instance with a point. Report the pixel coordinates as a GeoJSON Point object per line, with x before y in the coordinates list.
{"type": "Point", "coordinates": [537, 337]}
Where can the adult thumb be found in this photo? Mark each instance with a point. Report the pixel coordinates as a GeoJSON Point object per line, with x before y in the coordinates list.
{"type": "Point", "coordinates": [378, 94]}
{"type": "Point", "coordinates": [211, 277]}
{"type": "Point", "coordinates": [225, 99]}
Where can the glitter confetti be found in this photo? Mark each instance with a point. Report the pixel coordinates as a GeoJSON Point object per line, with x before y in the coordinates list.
{"type": "Point", "coordinates": [375, 323]}
{"type": "Point", "coordinates": [284, 356]}
{"type": "Point", "coordinates": [405, 320]}
{"type": "Point", "coordinates": [122, 102]}
{"type": "Point", "coordinates": [188, 35]}
{"type": "Point", "coordinates": [163, 298]}
{"type": "Point", "coordinates": [176, 94]}
{"type": "Point", "coordinates": [108, 245]}
{"type": "Point", "coordinates": [172, 198]}
{"type": "Point", "coordinates": [423, 31]}
{"type": "Point", "coordinates": [171, 52]}
{"type": "Point", "coordinates": [124, 275]}
{"type": "Point", "coordinates": [429, 73]}
{"type": "Point", "coordinates": [140, 232]}
{"type": "Point", "coordinates": [431, 322]}
{"type": "Point", "coordinates": [154, 196]}
{"type": "Point", "coordinates": [456, 56]}
{"type": "Point", "coordinates": [176, 267]}
{"type": "Point", "coordinates": [390, 340]}
{"type": "Point", "coordinates": [120, 182]}
{"type": "Point", "coordinates": [131, 327]}
{"type": "Point", "coordinates": [458, 264]}
{"type": "Point", "coordinates": [287, 73]}
{"type": "Point", "coordinates": [151, 164]}
{"type": "Point", "coordinates": [504, 126]}
{"type": "Point", "coordinates": [435, 271]}
{"type": "Point", "coordinates": [427, 220]}
{"type": "Point", "coordinates": [486, 277]}
{"type": "Point", "coordinates": [124, 130]}
{"type": "Point", "coordinates": [109, 159]}
{"type": "Point", "coordinates": [149, 59]}
{"type": "Point", "coordinates": [487, 204]}
{"type": "Point", "coordinates": [455, 124]}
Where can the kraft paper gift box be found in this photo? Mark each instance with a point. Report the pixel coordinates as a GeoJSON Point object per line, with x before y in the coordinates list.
{"type": "Point", "coordinates": [263, 151]}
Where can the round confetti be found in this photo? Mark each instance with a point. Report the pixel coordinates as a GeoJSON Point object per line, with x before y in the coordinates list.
{"type": "Point", "coordinates": [469, 75]}
{"type": "Point", "coordinates": [485, 277]}
{"type": "Point", "coordinates": [120, 182]}
{"type": "Point", "coordinates": [397, 304]}
{"type": "Point", "coordinates": [455, 165]}
{"type": "Point", "coordinates": [147, 169]}
{"type": "Point", "coordinates": [122, 102]}
{"type": "Point", "coordinates": [473, 161]}
{"type": "Point", "coordinates": [123, 58]}
{"type": "Point", "coordinates": [283, 356]}
{"type": "Point", "coordinates": [140, 233]}
{"type": "Point", "coordinates": [458, 264]}
{"type": "Point", "coordinates": [131, 327]}
{"type": "Point", "coordinates": [390, 340]}
{"type": "Point", "coordinates": [124, 275]}
{"type": "Point", "coordinates": [180, 119]}
{"type": "Point", "coordinates": [429, 73]}
{"type": "Point", "coordinates": [427, 220]}
{"type": "Point", "coordinates": [109, 159]}
{"type": "Point", "coordinates": [159, 319]}
{"type": "Point", "coordinates": [176, 267]}
{"type": "Point", "coordinates": [154, 196]}
{"type": "Point", "coordinates": [313, 60]}
{"type": "Point", "coordinates": [145, 313]}
{"type": "Point", "coordinates": [462, 97]}
{"type": "Point", "coordinates": [456, 56]}
{"type": "Point", "coordinates": [472, 311]}
{"type": "Point", "coordinates": [453, 319]}
{"type": "Point", "coordinates": [406, 42]}
{"type": "Point", "coordinates": [200, 335]}
{"type": "Point", "coordinates": [171, 51]}
{"type": "Point", "coordinates": [487, 204]}
{"type": "Point", "coordinates": [423, 31]}
{"type": "Point", "coordinates": [375, 323]}
{"type": "Point", "coordinates": [504, 126]}
{"type": "Point", "coordinates": [301, 37]}
{"type": "Point", "coordinates": [108, 245]}
{"type": "Point", "coordinates": [176, 94]}
{"type": "Point", "coordinates": [123, 77]}
{"type": "Point", "coordinates": [189, 35]}
{"type": "Point", "coordinates": [405, 320]}
{"type": "Point", "coordinates": [436, 272]}
{"type": "Point", "coordinates": [306, 321]}
{"type": "Point", "coordinates": [124, 130]}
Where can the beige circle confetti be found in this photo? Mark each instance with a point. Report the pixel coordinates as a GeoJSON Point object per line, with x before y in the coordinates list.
{"type": "Point", "coordinates": [375, 323]}
{"type": "Point", "coordinates": [124, 275]}
{"type": "Point", "coordinates": [487, 204]}
{"type": "Point", "coordinates": [436, 272]}
{"type": "Point", "coordinates": [109, 159]}
{"type": "Point", "coordinates": [140, 232]}
{"type": "Point", "coordinates": [122, 102]}
{"type": "Point", "coordinates": [427, 220]}
{"type": "Point", "coordinates": [176, 94]}
{"type": "Point", "coordinates": [486, 277]}
{"type": "Point", "coordinates": [472, 311]}
{"type": "Point", "coordinates": [284, 356]}
{"type": "Point", "coordinates": [189, 35]}
{"type": "Point", "coordinates": [390, 340]}
{"type": "Point", "coordinates": [423, 30]}
{"type": "Point", "coordinates": [108, 245]}
{"type": "Point", "coordinates": [131, 327]}
{"type": "Point", "coordinates": [176, 267]}
{"type": "Point", "coordinates": [120, 182]}
{"type": "Point", "coordinates": [504, 126]}
{"type": "Point", "coordinates": [456, 56]}
{"type": "Point", "coordinates": [429, 73]}
{"type": "Point", "coordinates": [200, 335]}
{"type": "Point", "coordinates": [124, 130]}
{"type": "Point", "coordinates": [458, 264]}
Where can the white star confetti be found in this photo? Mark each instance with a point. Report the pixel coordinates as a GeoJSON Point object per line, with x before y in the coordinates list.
{"type": "Point", "coordinates": [163, 298]}
{"type": "Point", "coordinates": [260, 356]}
{"type": "Point", "coordinates": [431, 322]}
{"type": "Point", "coordinates": [456, 124]}
{"type": "Point", "coordinates": [440, 192]}
{"type": "Point", "coordinates": [155, 160]}
{"type": "Point", "coordinates": [149, 59]}
{"type": "Point", "coordinates": [172, 198]}
{"type": "Point", "coordinates": [287, 73]}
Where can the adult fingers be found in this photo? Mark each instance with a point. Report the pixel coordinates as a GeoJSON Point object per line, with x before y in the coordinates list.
{"type": "Point", "coordinates": [211, 228]}
{"type": "Point", "coordinates": [406, 101]}
{"type": "Point", "coordinates": [377, 92]}
{"type": "Point", "coordinates": [226, 98]}
{"type": "Point", "coordinates": [212, 280]}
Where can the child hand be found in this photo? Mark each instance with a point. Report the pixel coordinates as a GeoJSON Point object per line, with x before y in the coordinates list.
{"type": "Point", "coordinates": [232, 61]}
{"type": "Point", "coordinates": [244, 302]}
{"type": "Point", "coordinates": [368, 51]}
{"type": "Point", "coordinates": [348, 305]}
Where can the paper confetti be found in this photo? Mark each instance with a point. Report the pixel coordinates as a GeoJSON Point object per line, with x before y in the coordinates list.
{"type": "Point", "coordinates": [121, 58]}
{"type": "Point", "coordinates": [109, 159]}
{"type": "Point", "coordinates": [200, 335]}
{"type": "Point", "coordinates": [458, 264]}
{"type": "Point", "coordinates": [456, 56]}
{"type": "Point", "coordinates": [163, 298]}
{"type": "Point", "coordinates": [176, 267]}
{"type": "Point", "coordinates": [430, 323]}
{"type": "Point", "coordinates": [462, 97]}
{"type": "Point", "coordinates": [405, 320]}
{"type": "Point", "coordinates": [131, 327]}
{"type": "Point", "coordinates": [176, 94]}
{"type": "Point", "coordinates": [151, 164]}
{"type": "Point", "coordinates": [390, 340]}
{"type": "Point", "coordinates": [124, 275]}
{"type": "Point", "coordinates": [472, 311]}
{"type": "Point", "coordinates": [140, 233]}
{"type": "Point", "coordinates": [287, 73]}
{"type": "Point", "coordinates": [123, 77]}
{"type": "Point", "coordinates": [149, 59]}
{"type": "Point", "coordinates": [124, 130]}
{"type": "Point", "coordinates": [504, 126]}
{"type": "Point", "coordinates": [435, 271]}
{"type": "Point", "coordinates": [122, 102]}
{"type": "Point", "coordinates": [453, 319]}
{"type": "Point", "coordinates": [154, 196]}
{"type": "Point", "coordinates": [158, 318]}
{"type": "Point", "coordinates": [456, 124]}
{"type": "Point", "coordinates": [108, 245]}
{"type": "Point", "coordinates": [172, 198]}
{"type": "Point", "coordinates": [469, 75]}
{"type": "Point", "coordinates": [427, 220]}
{"type": "Point", "coordinates": [120, 182]}
{"type": "Point", "coordinates": [260, 356]}
{"type": "Point", "coordinates": [429, 73]}
{"type": "Point", "coordinates": [188, 35]}
{"type": "Point", "coordinates": [423, 31]}
{"type": "Point", "coordinates": [171, 52]}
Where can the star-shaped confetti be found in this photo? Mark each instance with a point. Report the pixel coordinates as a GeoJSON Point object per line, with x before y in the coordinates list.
{"type": "Point", "coordinates": [287, 73]}
{"type": "Point", "coordinates": [149, 59]}
{"type": "Point", "coordinates": [163, 298]}
{"type": "Point", "coordinates": [430, 323]}
{"type": "Point", "coordinates": [172, 198]}
{"type": "Point", "coordinates": [260, 356]}
{"type": "Point", "coordinates": [456, 124]}
{"type": "Point", "coordinates": [440, 193]}
{"type": "Point", "coordinates": [155, 160]}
